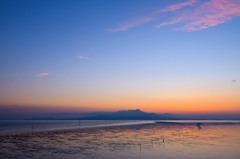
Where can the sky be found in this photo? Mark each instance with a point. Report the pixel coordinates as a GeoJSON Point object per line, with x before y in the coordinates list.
{"type": "Point", "coordinates": [175, 56]}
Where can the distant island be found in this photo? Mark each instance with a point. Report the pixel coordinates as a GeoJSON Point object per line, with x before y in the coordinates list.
{"type": "Point", "coordinates": [136, 114]}
{"type": "Point", "coordinates": [21, 113]}
{"type": "Point", "coordinates": [131, 114]}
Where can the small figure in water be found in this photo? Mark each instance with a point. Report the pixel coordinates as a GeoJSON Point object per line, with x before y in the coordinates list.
{"type": "Point", "coordinates": [199, 126]}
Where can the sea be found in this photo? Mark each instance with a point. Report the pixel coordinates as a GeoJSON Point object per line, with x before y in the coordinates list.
{"type": "Point", "coordinates": [26, 126]}
{"type": "Point", "coordinates": [74, 139]}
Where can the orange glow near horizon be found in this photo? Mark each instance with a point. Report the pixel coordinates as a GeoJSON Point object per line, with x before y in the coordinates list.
{"type": "Point", "coordinates": [179, 57]}
{"type": "Point", "coordinates": [179, 104]}
{"type": "Point", "coordinates": [179, 100]}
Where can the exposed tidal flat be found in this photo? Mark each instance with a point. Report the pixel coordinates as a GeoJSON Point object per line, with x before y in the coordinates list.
{"type": "Point", "coordinates": [146, 141]}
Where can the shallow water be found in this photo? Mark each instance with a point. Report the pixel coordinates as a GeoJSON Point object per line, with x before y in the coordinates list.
{"type": "Point", "coordinates": [146, 141]}
{"type": "Point", "coordinates": [25, 126]}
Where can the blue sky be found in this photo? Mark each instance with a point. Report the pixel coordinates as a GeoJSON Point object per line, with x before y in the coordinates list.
{"type": "Point", "coordinates": [107, 55]}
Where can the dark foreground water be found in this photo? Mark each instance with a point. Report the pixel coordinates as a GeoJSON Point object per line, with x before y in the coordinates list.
{"type": "Point", "coordinates": [210, 140]}
{"type": "Point", "coordinates": [26, 126]}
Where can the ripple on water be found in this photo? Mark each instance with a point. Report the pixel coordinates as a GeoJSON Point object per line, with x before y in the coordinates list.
{"type": "Point", "coordinates": [140, 141]}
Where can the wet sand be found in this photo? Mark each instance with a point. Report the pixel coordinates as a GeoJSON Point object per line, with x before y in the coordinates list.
{"type": "Point", "coordinates": [150, 141]}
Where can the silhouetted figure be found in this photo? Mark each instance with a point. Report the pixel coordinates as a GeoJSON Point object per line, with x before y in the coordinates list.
{"type": "Point", "coordinates": [32, 125]}
{"type": "Point", "coordinates": [199, 126]}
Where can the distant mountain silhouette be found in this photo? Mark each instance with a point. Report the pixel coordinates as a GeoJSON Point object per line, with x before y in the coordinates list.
{"type": "Point", "coordinates": [136, 114]}
{"type": "Point", "coordinates": [19, 113]}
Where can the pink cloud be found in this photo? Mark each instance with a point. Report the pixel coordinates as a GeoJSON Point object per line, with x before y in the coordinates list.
{"type": "Point", "coordinates": [82, 57]}
{"type": "Point", "coordinates": [43, 74]}
{"type": "Point", "coordinates": [205, 15]}
{"type": "Point", "coordinates": [199, 14]}
{"type": "Point", "coordinates": [171, 22]}
{"type": "Point", "coordinates": [132, 24]}
{"type": "Point", "coordinates": [146, 19]}
{"type": "Point", "coordinates": [177, 6]}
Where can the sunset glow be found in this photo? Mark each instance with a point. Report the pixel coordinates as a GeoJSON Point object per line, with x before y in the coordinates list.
{"type": "Point", "coordinates": [178, 56]}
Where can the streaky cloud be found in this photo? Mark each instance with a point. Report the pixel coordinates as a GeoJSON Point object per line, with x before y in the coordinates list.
{"type": "Point", "coordinates": [171, 22]}
{"type": "Point", "coordinates": [177, 6]}
{"type": "Point", "coordinates": [191, 15]}
{"type": "Point", "coordinates": [131, 24]}
{"type": "Point", "coordinates": [205, 15]}
{"type": "Point", "coordinates": [82, 57]}
{"type": "Point", "coordinates": [43, 74]}
{"type": "Point", "coordinates": [145, 19]}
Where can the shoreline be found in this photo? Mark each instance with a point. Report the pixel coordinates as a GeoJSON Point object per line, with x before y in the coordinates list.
{"type": "Point", "coordinates": [69, 129]}
{"type": "Point", "coordinates": [142, 140]}
{"type": "Point", "coordinates": [126, 124]}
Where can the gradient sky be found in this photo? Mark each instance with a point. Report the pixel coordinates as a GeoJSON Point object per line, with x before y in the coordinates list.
{"type": "Point", "coordinates": [176, 56]}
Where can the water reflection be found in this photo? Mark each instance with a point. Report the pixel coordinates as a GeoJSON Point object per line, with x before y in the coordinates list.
{"type": "Point", "coordinates": [139, 141]}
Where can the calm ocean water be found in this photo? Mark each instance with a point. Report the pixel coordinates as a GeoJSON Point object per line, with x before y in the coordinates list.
{"type": "Point", "coordinates": [24, 126]}
{"type": "Point", "coordinates": [126, 139]}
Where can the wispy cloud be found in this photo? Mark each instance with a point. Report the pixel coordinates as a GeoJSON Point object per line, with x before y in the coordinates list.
{"type": "Point", "coordinates": [82, 57]}
{"type": "Point", "coordinates": [177, 6]}
{"type": "Point", "coordinates": [171, 22]}
{"type": "Point", "coordinates": [145, 19]}
{"type": "Point", "coordinates": [205, 15]}
{"type": "Point", "coordinates": [131, 24]}
{"type": "Point", "coordinates": [190, 15]}
{"type": "Point", "coordinates": [43, 74]}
